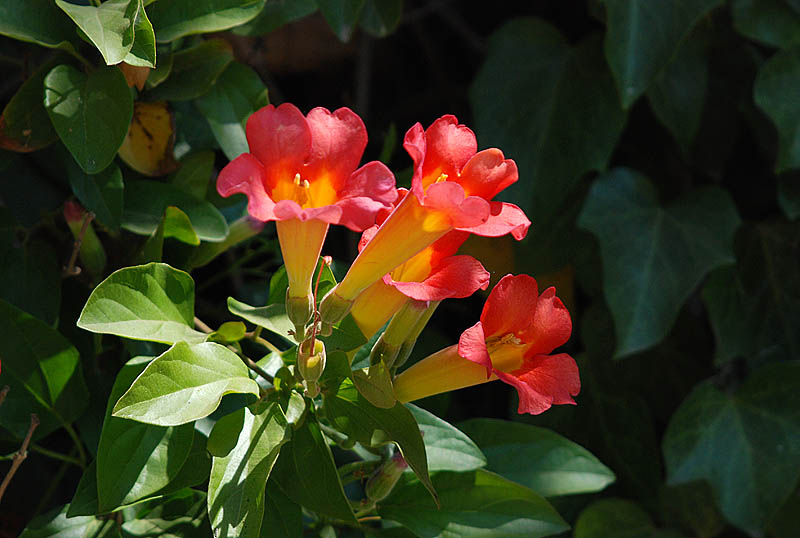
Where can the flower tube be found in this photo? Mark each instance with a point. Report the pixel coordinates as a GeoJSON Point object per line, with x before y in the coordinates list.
{"type": "Point", "coordinates": [512, 341]}
{"type": "Point", "coordinates": [301, 172]}
{"type": "Point", "coordinates": [451, 189]}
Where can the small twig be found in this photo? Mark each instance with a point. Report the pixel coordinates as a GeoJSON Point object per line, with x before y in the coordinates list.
{"type": "Point", "coordinates": [202, 326]}
{"type": "Point", "coordinates": [3, 394]}
{"type": "Point", "coordinates": [368, 518]}
{"type": "Point", "coordinates": [70, 269]}
{"type": "Point", "coordinates": [20, 456]}
{"type": "Point", "coordinates": [256, 368]}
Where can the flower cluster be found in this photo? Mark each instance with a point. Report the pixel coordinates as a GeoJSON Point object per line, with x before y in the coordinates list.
{"type": "Point", "coordinates": [302, 172]}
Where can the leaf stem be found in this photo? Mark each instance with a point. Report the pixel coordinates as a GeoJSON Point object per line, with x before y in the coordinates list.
{"type": "Point", "coordinates": [70, 269]}
{"type": "Point", "coordinates": [20, 456]}
{"type": "Point", "coordinates": [56, 455]}
{"type": "Point", "coordinates": [256, 368]}
{"type": "Point", "coordinates": [200, 324]}
{"type": "Point", "coordinates": [78, 444]}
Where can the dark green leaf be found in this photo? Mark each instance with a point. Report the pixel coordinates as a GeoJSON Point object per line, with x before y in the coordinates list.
{"type": "Point", "coordinates": [91, 113]}
{"type": "Point", "coordinates": [182, 515]}
{"type": "Point", "coordinates": [771, 22]}
{"type": "Point", "coordinates": [184, 384]}
{"type": "Point", "coordinates": [282, 517]}
{"type": "Point", "coordinates": [84, 502]}
{"type": "Point", "coordinates": [375, 384]}
{"type": "Point", "coordinates": [275, 14]}
{"type": "Point", "coordinates": [136, 460]}
{"type": "Point", "coordinates": [194, 70]}
{"type": "Point", "coordinates": [238, 478]}
{"type": "Point", "coordinates": [143, 51]}
{"type": "Point", "coordinates": [237, 94]}
{"type": "Point", "coordinates": [109, 26]}
{"type": "Point", "coordinates": [272, 317]}
{"type": "Point", "coordinates": [341, 15]}
{"type": "Point", "coordinates": [745, 444]}
{"type": "Point", "coordinates": [447, 448]}
{"type": "Point", "coordinates": [194, 173]}
{"type": "Point", "coordinates": [654, 257]}
{"type": "Point", "coordinates": [178, 18]}
{"type": "Point", "coordinates": [543, 117]}
{"type": "Point", "coordinates": [777, 79]}
{"type": "Point", "coordinates": [474, 504]}
{"type": "Point", "coordinates": [147, 302]}
{"type": "Point", "coordinates": [36, 21]}
{"type": "Point", "coordinates": [755, 307]}
{"type": "Point", "coordinates": [307, 475]}
{"type": "Point", "coordinates": [56, 524]}
{"type": "Point", "coordinates": [642, 37]}
{"type": "Point", "coordinates": [353, 415]}
{"type": "Point", "coordinates": [99, 193]}
{"type": "Point", "coordinates": [538, 458]}
{"type": "Point", "coordinates": [614, 518]}
{"type": "Point", "coordinates": [24, 123]}
{"type": "Point", "coordinates": [345, 337]}
{"type": "Point", "coordinates": [146, 201]}
{"type": "Point", "coordinates": [43, 371]}
{"type": "Point", "coordinates": [789, 196]}
{"type": "Point", "coordinates": [381, 17]}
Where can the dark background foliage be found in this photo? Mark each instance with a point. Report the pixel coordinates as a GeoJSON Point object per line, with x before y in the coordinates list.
{"type": "Point", "coordinates": [657, 144]}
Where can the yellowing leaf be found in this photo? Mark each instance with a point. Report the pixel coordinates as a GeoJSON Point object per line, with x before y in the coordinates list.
{"type": "Point", "coordinates": [134, 75]}
{"type": "Point", "coordinates": [151, 137]}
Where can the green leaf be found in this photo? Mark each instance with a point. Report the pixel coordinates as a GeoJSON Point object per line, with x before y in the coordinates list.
{"type": "Point", "coordinates": [381, 17]}
{"type": "Point", "coordinates": [184, 384]}
{"type": "Point", "coordinates": [272, 318]}
{"type": "Point", "coordinates": [447, 448]}
{"type": "Point", "coordinates": [238, 478]}
{"type": "Point", "coordinates": [275, 14]}
{"type": "Point", "coordinates": [147, 302]}
{"type": "Point", "coordinates": [44, 374]}
{"type": "Point", "coordinates": [146, 201]}
{"type": "Point", "coordinates": [341, 15]}
{"type": "Point", "coordinates": [691, 506]}
{"type": "Point", "coordinates": [143, 51]}
{"type": "Point", "coordinates": [755, 307]}
{"type": "Point", "coordinates": [24, 123]}
{"type": "Point", "coordinates": [375, 384]}
{"type": "Point", "coordinates": [354, 416]}
{"type": "Point", "coordinates": [770, 22]}
{"type": "Point", "coordinates": [789, 196]}
{"type": "Point", "coordinates": [283, 518]}
{"type": "Point", "coordinates": [614, 518]}
{"type": "Point", "coordinates": [109, 26]}
{"type": "Point", "coordinates": [228, 332]}
{"type": "Point", "coordinates": [84, 501]}
{"type": "Point", "coordinates": [178, 18]}
{"type": "Point", "coordinates": [136, 460]}
{"type": "Point", "coordinates": [100, 193]}
{"type": "Point", "coordinates": [194, 70]}
{"type": "Point", "coordinates": [654, 257]}
{"type": "Point", "coordinates": [182, 515]}
{"type": "Point", "coordinates": [237, 94]}
{"type": "Point", "coordinates": [176, 224]}
{"type": "Point", "coordinates": [474, 504]}
{"type": "Point", "coordinates": [346, 336]}
{"type": "Point", "coordinates": [776, 80]}
{"type": "Point", "coordinates": [36, 21]}
{"type": "Point", "coordinates": [194, 173]}
{"type": "Point", "coordinates": [538, 458]}
{"type": "Point", "coordinates": [91, 113]}
{"type": "Point", "coordinates": [56, 524]}
{"type": "Point", "coordinates": [543, 117]}
{"type": "Point", "coordinates": [678, 94]}
{"type": "Point", "coordinates": [745, 444]}
{"type": "Point", "coordinates": [307, 475]}
{"type": "Point", "coordinates": [642, 36]}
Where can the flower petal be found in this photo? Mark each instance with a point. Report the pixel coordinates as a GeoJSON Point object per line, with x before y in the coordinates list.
{"type": "Point", "coordinates": [449, 146]}
{"type": "Point", "coordinates": [414, 143]}
{"type": "Point", "coordinates": [338, 140]}
{"type": "Point", "coordinates": [245, 174]}
{"type": "Point", "coordinates": [551, 326]}
{"type": "Point", "coordinates": [281, 139]}
{"type": "Point", "coordinates": [510, 306]}
{"type": "Point", "coordinates": [454, 277]}
{"type": "Point", "coordinates": [503, 218]}
{"type": "Point", "coordinates": [472, 346]}
{"type": "Point", "coordinates": [543, 381]}
{"type": "Point", "coordinates": [464, 212]}
{"type": "Point", "coordinates": [487, 173]}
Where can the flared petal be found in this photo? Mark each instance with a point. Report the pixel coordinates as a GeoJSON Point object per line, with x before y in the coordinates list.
{"type": "Point", "coordinates": [487, 173]}
{"type": "Point", "coordinates": [281, 139]}
{"type": "Point", "coordinates": [503, 218]}
{"type": "Point", "coordinates": [449, 146]}
{"type": "Point", "coordinates": [510, 306]}
{"type": "Point", "coordinates": [246, 175]}
{"type": "Point", "coordinates": [454, 277]}
{"type": "Point", "coordinates": [551, 325]}
{"type": "Point", "coordinates": [464, 212]}
{"type": "Point", "coordinates": [472, 346]}
{"type": "Point", "coordinates": [414, 143]}
{"type": "Point", "coordinates": [338, 140]}
{"type": "Point", "coordinates": [544, 381]}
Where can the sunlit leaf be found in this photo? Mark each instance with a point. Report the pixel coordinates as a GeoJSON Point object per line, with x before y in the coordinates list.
{"type": "Point", "coordinates": [109, 26]}
{"type": "Point", "coordinates": [178, 18]}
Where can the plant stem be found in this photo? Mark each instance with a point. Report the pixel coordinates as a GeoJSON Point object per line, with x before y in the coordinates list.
{"type": "Point", "coordinates": [256, 368]}
{"type": "Point", "coordinates": [200, 324]}
{"type": "Point", "coordinates": [70, 269]}
{"type": "Point", "coordinates": [56, 455]}
{"type": "Point", "coordinates": [20, 456]}
{"type": "Point", "coordinates": [266, 343]}
{"type": "Point", "coordinates": [78, 444]}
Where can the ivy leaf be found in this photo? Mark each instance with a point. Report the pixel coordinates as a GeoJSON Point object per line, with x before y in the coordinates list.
{"type": "Point", "coordinates": [307, 474]}
{"type": "Point", "coordinates": [745, 444]}
{"type": "Point", "coordinates": [239, 476]}
{"type": "Point", "coordinates": [147, 302]}
{"type": "Point", "coordinates": [184, 384]}
{"type": "Point", "coordinates": [654, 257]}
{"type": "Point", "coordinates": [178, 18]}
{"type": "Point", "coordinates": [109, 26]}
{"type": "Point", "coordinates": [238, 93]}
{"type": "Point", "coordinates": [776, 80]}
{"type": "Point", "coordinates": [543, 117]}
{"type": "Point", "coordinates": [473, 504]}
{"type": "Point", "coordinates": [642, 36]}
{"type": "Point", "coordinates": [538, 458]}
{"type": "Point", "coordinates": [90, 113]}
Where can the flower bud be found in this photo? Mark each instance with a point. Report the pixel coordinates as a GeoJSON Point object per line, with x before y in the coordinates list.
{"type": "Point", "coordinates": [384, 478]}
{"type": "Point", "coordinates": [299, 311]}
{"type": "Point", "coordinates": [332, 310]}
{"type": "Point", "coordinates": [311, 364]}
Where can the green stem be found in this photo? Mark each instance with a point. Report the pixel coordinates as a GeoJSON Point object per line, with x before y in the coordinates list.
{"type": "Point", "coordinates": [57, 455]}
{"type": "Point", "coordinates": [78, 444]}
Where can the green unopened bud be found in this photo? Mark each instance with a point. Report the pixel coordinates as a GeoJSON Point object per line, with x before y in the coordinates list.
{"type": "Point", "coordinates": [384, 478]}
{"type": "Point", "coordinates": [299, 311]}
{"type": "Point", "coordinates": [310, 364]}
{"type": "Point", "coordinates": [92, 254]}
{"type": "Point", "coordinates": [332, 310]}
